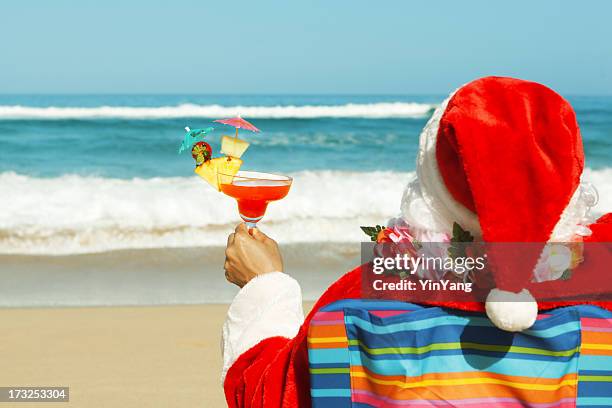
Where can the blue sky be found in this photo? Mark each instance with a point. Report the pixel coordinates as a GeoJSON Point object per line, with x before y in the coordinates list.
{"type": "Point", "coordinates": [316, 46]}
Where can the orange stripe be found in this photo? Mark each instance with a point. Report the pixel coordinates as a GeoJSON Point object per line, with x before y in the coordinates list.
{"type": "Point", "coordinates": [596, 337]}
{"type": "Point", "coordinates": [465, 391]}
{"type": "Point", "coordinates": [328, 345]}
{"type": "Point", "coordinates": [327, 331]}
{"type": "Point", "coordinates": [594, 352]}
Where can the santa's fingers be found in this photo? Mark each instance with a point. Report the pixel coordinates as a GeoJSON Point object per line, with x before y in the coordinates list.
{"type": "Point", "coordinates": [241, 228]}
{"type": "Point", "coordinates": [230, 239]}
{"type": "Point", "coordinates": [258, 235]}
{"type": "Point", "coordinates": [241, 237]}
{"type": "Point", "coordinates": [230, 252]}
{"type": "Point", "coordinates": [264, 239]}
{"type": "Point", "coordinates": [228, 275]}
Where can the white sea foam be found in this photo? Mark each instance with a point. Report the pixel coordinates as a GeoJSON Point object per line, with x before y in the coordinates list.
{"type": "Point", "coordinates": [74, 214]}
{"type": "Point", "coordinates": [351, 110]}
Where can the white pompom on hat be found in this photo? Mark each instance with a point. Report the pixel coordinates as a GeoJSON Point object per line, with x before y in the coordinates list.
{"type": "Point", "coordinates": [511, 311]}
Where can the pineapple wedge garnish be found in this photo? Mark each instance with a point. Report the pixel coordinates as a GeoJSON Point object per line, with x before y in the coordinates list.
{"type": "Point", "coordinates": [219, 171]}
{"type": "Point", "coordinates": [232, 146]}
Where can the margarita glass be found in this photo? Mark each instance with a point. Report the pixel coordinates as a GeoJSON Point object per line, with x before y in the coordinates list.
{"type": "Point", "coordinates": [253, 191]}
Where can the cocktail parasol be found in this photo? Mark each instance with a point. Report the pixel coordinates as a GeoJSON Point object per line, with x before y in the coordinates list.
{"type": "Point", "coordinates": [235, 147]}
{"type": "Point", "coordinates": [193, 136]}
{"type": "Point", "coordinates": [238, 123]}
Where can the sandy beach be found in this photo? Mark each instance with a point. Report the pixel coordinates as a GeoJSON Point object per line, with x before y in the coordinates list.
{"type": "Point", "coordinates": [104, 324]}
{"type": "Point", "coordinates": [151, 356]}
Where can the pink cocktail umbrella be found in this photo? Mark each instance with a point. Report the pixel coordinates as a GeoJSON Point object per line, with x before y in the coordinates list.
{"type": "Point", "coordinates": [238, 123]}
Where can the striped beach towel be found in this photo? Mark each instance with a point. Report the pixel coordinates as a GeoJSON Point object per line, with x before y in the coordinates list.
{"type": "Point", "coordinates": [366, 353]}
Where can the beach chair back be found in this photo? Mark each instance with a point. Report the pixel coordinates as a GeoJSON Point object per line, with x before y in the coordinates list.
{"type": "Point", "coordinates": [366, 353]}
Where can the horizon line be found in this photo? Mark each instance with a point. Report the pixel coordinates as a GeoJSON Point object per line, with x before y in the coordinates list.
{"type": "Point", "coordinates": [253, 94]}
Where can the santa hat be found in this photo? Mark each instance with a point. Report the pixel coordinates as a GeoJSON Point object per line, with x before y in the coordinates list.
{"type": "Point", "coordinates": [503, 158]}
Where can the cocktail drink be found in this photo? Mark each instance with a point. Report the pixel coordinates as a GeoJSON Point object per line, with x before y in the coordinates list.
{"type": "Point", "coordinates": [253, 191]}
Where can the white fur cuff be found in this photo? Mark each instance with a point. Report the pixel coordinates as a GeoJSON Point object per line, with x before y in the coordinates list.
{"type": "Point", "coordinates": [269, 305]}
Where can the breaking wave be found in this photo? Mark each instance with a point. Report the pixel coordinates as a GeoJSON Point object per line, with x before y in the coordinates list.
{"type": "Point", "coordinates": [351, 110]}
{"type": "Point", "coordinates": [77, 214]}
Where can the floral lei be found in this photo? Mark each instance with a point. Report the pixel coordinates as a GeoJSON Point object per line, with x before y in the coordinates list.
{"type": "Point", "coordinates": [557, 260]}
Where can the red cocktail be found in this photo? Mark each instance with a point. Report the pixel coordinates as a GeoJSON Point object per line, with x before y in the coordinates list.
{"type": "Point", "coordinates": [253, 191]}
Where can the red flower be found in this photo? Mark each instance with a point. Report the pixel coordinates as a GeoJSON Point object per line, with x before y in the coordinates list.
{"type": "Point", "coordinates": [383, 236]}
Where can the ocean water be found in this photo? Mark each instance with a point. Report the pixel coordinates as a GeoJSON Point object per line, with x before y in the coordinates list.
{"type": "Point", "coordinates": [84, 175]}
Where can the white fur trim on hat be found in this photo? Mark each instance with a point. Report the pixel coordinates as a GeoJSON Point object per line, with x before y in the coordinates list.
{"type": "Point", "coordinates": [427, 203]}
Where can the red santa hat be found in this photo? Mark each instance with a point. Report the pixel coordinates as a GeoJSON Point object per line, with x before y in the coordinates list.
{"type": "Point", "coordinates": [503, 158]}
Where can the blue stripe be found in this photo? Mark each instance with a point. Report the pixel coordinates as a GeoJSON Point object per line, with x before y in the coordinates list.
{"type": "Point", "coordinates": [370, 305]}
{"type": "Point", "coordinates": [480, 335]}
{"type": "Point", "coordinates": [457, 364]}
{"type": "Point", "coordinates": [555, 317]}
{"type": "Point", "coordinates": [556, 331]}
{"type": "Point", "coordinates": [595, 389]}
{"type": "Point", "coordinates": [591, 311]}
{"type": "Point", "coordinates": [595, 362]}
{"type": "Point", "coordinates": [595, 372]}
{"type": "Point", "coordinates": [593, 401]}
{"type": "Point", "coordinates": [327, 381]}
{"type": "Point", "coordinates": [322, 356]}
{"type": "Point", "coordinates": [331, 402]}
{"type": "Point", "coordinates": [336, 364]}
{"type": "Point", "coordinates": [338, 392]}
{"type": "Point", "coordinates": [383, 326]}
{"type": "Point", "coordinates": [414, 325]}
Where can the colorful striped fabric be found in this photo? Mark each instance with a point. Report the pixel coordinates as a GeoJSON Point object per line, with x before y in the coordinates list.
{"type": "Point", "coordinates": [366, 353]}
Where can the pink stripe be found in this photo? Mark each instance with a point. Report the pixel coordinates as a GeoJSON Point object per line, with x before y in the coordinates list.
{"type": "Point", "coordinates": [327, 323]}
{"type": "Point", "coordinates": [586, 321]}
{"type": "Point", "coordinates": [594, 322]}
{"type": "Point", "coordinates": [329, 316]}
{"type": "Point", "coordinates": [597, 329]}
{"type": "Point", "coordinates": [367, 397]}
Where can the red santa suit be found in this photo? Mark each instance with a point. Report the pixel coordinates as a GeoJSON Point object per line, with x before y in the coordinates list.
{"type": "Point", "coordinates": [503, 158]}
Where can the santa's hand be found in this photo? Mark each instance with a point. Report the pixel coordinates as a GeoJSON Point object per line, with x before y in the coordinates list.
{"type": "Point", "coordinates": [250, 254]}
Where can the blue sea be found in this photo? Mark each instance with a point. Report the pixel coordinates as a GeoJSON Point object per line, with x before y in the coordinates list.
{"type": "Point", "coordinates": [93, 175]}
{"type": "Point", "coordinates": [108, 164]}
{"type": "Point", "coordinates": [127, 136]}
{"type": "Point", "coordinates": [132, 136]}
